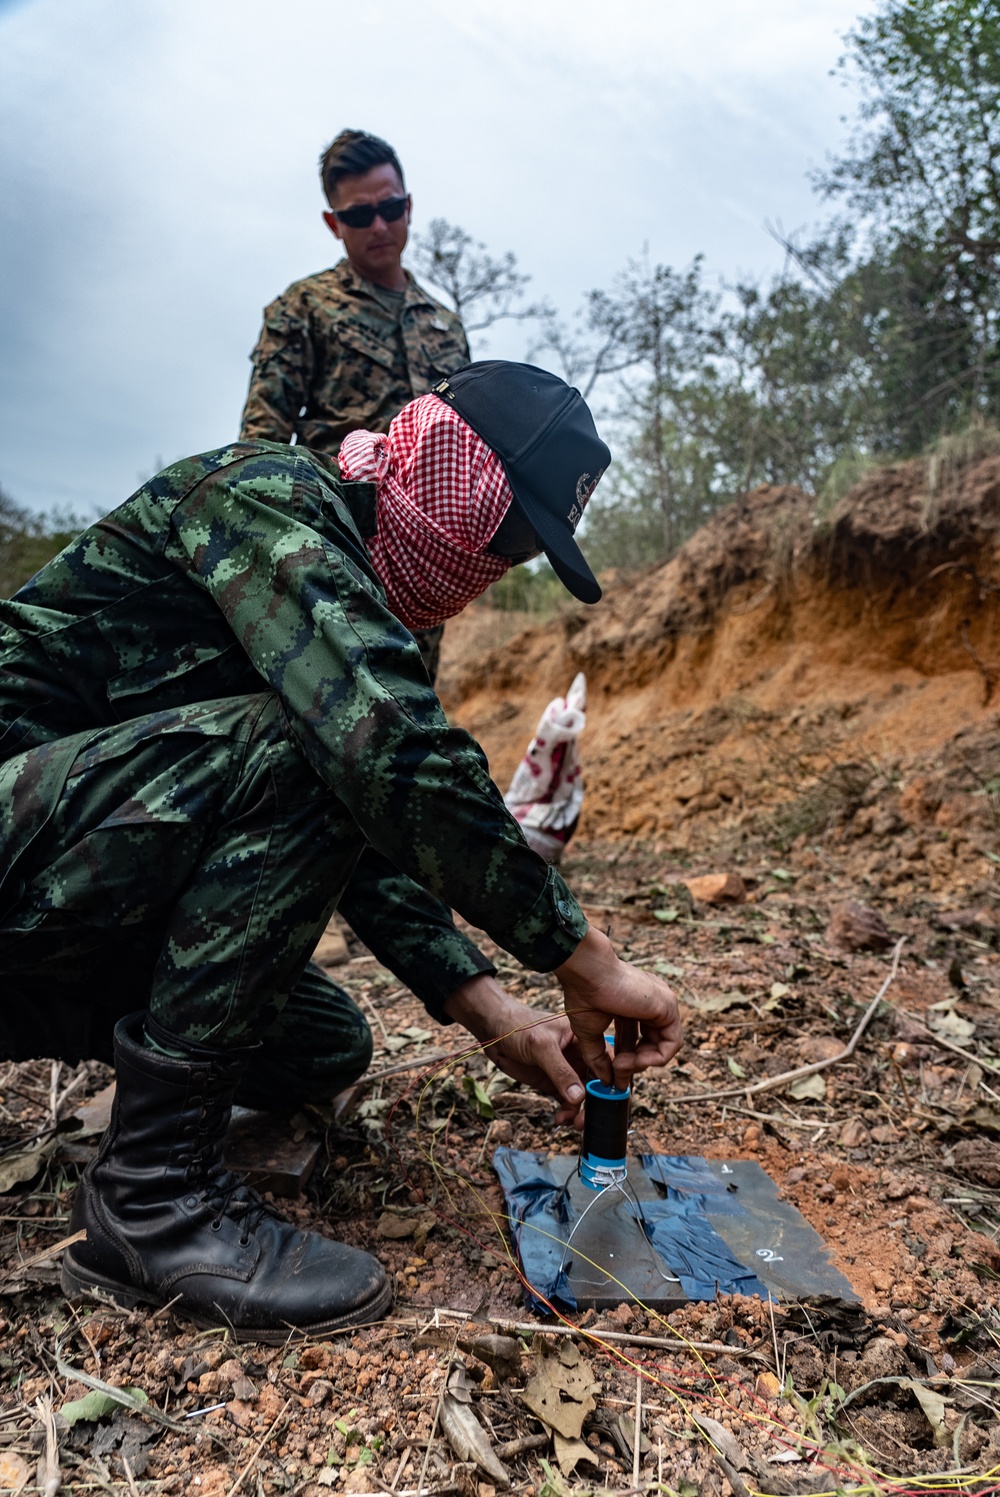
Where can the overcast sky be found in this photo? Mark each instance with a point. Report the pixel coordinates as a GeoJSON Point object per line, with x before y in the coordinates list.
{"type": "Point", "coordinates": [158, 179]}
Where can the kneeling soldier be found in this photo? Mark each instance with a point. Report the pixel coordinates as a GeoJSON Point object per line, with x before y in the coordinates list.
{"type": "Point", "coordinates": [211, 707]}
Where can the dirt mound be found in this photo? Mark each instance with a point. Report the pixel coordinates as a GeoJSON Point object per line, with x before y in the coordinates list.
{"type": "Point", "coordinates": [782, 655]}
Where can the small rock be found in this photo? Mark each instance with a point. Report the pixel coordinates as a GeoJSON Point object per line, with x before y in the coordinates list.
{"type": "Point", "coordinates": [502, 1131]}
{"type": "Point", "coordinates": [882, 1281]}
{"type": "Point", "coordinates": [717, 888]}
{"type": "Point", "coordinates": [768, 1385]}
{"type": "Point", "coordinates": [882, 1357]}
{"type": "Point", "coordinates": [854, 1134]}
{"type": "Point", "coordinates": [795, 1175]}
{"type": "Point", "coordinates": [231, 1370]}
{"type": "Point", "coordinates": [856, 927]}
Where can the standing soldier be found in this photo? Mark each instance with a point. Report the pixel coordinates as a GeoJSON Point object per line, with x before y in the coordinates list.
{"type": "Point", "coordinates": [346, 349]}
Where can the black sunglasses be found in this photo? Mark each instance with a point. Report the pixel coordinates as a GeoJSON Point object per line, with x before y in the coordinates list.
{"type": "Point", "coordinates": [363, 216]}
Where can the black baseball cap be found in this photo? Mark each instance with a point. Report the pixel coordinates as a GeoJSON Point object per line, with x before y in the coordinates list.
{"type": "Point", "coordinates": [542, 431]}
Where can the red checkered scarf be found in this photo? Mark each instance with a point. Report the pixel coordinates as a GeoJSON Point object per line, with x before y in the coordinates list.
{"type": "Point", "coordinates": [441, 495]}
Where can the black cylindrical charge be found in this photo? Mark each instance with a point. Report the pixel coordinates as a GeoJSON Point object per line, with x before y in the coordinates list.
{"type": "Point", "coordinates": [605, 1135]}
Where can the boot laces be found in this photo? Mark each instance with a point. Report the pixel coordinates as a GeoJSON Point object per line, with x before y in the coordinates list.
{"type": "Point", "coordinates": [226, 1193]}
{"type": "Point", "coordinates": [230, 1196]}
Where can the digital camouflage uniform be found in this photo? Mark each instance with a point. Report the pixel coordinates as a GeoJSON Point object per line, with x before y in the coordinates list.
{"type": "Point", "coordinates": [338, 354]}
{"type": "Point", "coordinates": [211, 731]}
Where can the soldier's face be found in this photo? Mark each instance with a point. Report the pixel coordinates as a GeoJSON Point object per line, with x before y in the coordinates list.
{"type": "Point", "coordinates": [374, 252]}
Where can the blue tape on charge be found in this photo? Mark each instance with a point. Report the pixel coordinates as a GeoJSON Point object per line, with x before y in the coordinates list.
{"type": "Point", "coordinates": [536, 1201]}
{"type": "Point", "coordinates": [679, 1230]}
{"type": "Point", "coordinates": [677, 1226]}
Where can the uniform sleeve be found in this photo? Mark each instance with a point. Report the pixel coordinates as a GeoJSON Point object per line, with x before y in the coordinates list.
{"type": "Point", "coordinates": [282, 370]}
{"type": "Point", "coordinates": [411, 933]}
{"type": "Point", "coordinates": [287, 570]}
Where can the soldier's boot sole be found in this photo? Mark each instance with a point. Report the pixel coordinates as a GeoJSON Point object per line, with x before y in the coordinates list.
{"type": "Point", "coordinates": [79, 1283]}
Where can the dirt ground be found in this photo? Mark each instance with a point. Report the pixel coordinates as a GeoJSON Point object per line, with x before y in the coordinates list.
{"type": "Point", "coordinates": [816, 717]}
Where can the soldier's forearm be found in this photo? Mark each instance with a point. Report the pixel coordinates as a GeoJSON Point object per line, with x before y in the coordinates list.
{"type": "Point", "coordinates": [411, 933]}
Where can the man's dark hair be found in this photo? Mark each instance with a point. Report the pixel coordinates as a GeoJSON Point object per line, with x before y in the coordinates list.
{"type": "Point", "coordinates": [350, 155]}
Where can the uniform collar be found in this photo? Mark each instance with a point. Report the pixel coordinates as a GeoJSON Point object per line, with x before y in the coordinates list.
{"type": "Point", "coordinates": [414, 296]}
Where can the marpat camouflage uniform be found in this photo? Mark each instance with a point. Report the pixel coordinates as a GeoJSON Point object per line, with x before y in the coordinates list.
{"type": "Point", "coordinates": [337, 354]}
{"type": "Point", "coordinates": [210, 722]}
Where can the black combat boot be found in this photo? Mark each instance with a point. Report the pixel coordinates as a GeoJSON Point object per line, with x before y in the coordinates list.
{"type": "Point", "coordinates": [165, 1220]}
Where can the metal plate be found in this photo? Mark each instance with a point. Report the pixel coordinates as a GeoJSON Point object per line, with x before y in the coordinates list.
{"type": "Point", "coordinates": [611, 1259]}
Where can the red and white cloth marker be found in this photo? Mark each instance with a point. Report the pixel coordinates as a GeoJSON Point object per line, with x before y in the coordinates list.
{"type": "Point", "coordinates": [546, 793]}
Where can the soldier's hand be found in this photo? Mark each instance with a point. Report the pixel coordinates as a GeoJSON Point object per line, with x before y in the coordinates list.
{"type": "Point", "coordinates": [539, 1049]}
{"type": "Point", "coordinates": [599, 990]}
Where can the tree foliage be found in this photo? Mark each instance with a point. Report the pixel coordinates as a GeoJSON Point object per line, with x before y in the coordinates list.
{"type": "Point", "coordinates": [481, 287]}
{"type": "Point", "coordinates": [879, 336]}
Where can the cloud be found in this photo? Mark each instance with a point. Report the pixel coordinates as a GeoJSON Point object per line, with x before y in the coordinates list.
{"type": "Point", "coordinates": [158, 178]}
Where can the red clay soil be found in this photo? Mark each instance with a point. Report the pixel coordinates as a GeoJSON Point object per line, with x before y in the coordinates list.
{"type": "Point", "coordinates": [872, 634]}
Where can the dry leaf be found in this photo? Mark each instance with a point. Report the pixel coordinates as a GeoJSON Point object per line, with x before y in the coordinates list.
{"type": "Point", "coordinates": [15, 1169]}
{"type": "Point", "coordinates": [719, 1002]}
{"type": "Point", "coordinates": [459, 1383]}
{"type": "Point", "coordinates": [626, 1426]}
{"type": "Point", "coordinates": [561, 1393]}
{"type": "Point", "coordinates": [15, 1473]}
{"type": "Point", "coordinates": [468, 1439]}
{"type": "Point", "coordinates": [569, 1453]}
{"type": "Point", "coordinates": [951, 1026]}
{"type": "Point", "coordinates": [933, 1405]}
{"type": "Point", "coordinates": [812, 1088]}
{"type": "Point", "coordinates": [502, 1354]}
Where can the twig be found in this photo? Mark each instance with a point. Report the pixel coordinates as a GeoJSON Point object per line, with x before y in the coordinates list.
{"type": "Point", "coordinates": [778, 1363]}
{"type": "Point", "coordinates": [49, 1475]}
{"type": "Point", "coordinates": [54, 1091]}
{"type": "Point", "coordinates": [129, 1477]}
{"type": "Point", "coordinates": [255, 1453]}
{"type": "Point", "coordinates": [659, 1343]}
{"type": "Point", "coordinates": [811, 1070]}
{"type": "Point", "coordinates": [811, 1124]}
{"type": "Point", "coordinates": [521, 1446]}
{"type": "Point", "coordinates": [49, 1252]}
{"type": "Point", "coordinates": [375, 1015]}
{"type": "Point", "coordinates": [119, 1395]}
{"type": "Point", "coordinates": [430, 1058]}
{"type": "Point", "coordinates": [637, 1431]}
{"type": "Point", "coordinates": [399, 1469]}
